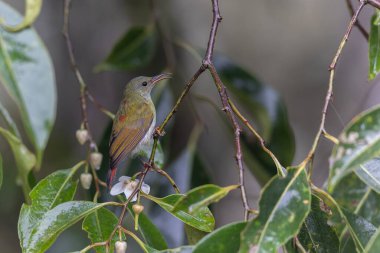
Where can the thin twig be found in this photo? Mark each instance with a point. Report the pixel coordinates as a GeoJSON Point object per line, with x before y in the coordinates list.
{"type": "Point", "coordinates": [321, 130]}
{"type": "Point", "coordinates": [374, 3]}
{"type": "Point", "coordinates": [83, 91]}
{"type": "Point", "coordinates": [361, 28]}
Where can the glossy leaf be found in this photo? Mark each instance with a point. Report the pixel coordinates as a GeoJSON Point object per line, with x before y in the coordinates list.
{"type": "Point", "coordinates": [373, 245]}
{"type": "Point", "coordinates": [369, 173]}
{"type": "Point", "coordinates": [316, 235]}
{"type": "Point", "coordinates": [374, 46]}
{"type": "Point", "coordinates": [134, 50]}
{"type": "Point", "coordinates": [361, 229]}
{"type": "Point", "coordinates": [284, 204]}
{"type": "Point", "coordinates": [32, 10]}
{"type": "Point", "coordinates": [359, 143]}
{"type": "Point", "coordinates": [223, 240]}
{"type": "Point", "coordinates": [55, 221]}
{"type": "Point", "coordinates": [99, 226]}
{"type": "Point", "coordinates": [51, 191]}
{"type": "Point", "coordinates": [149, 232]}
{"type": "Point", "coordinates": [202, 219]}
{"type": "Point", "coordinates": [202, 196]}
{"type": "Point", "coordinates": [265, 106]}
{"type": "Point", "coordinates": [27, 73]}
{"type": "Point", "coordinates": [182, 249]}
{"type": "Point", "coordinates": [25, 160]}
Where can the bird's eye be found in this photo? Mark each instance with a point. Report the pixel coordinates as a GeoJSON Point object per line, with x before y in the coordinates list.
{"type": "Point", "coordinates": [144, 84]}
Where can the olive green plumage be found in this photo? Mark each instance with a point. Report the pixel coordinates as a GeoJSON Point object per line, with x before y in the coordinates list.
{"type": "Point", "coordinates": [134, 121]}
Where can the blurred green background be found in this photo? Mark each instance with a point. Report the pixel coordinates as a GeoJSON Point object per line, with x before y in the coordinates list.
{"type": "Point", "coordinates": [286, 44]}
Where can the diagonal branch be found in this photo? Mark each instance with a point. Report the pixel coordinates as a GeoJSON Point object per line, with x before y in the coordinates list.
{"type": "Point", "coordinates": [358, 24]}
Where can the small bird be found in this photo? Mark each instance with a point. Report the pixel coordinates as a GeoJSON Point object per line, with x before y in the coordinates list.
{"type": "Point", "coordinates": [134, 122]}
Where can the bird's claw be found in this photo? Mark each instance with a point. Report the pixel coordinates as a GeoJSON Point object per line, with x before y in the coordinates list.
{"type": "Point", "coordinates": [158, 132]}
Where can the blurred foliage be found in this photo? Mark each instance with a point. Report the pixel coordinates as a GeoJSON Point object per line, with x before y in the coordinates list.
{"type": "Point", "coordinates": [293, 213]}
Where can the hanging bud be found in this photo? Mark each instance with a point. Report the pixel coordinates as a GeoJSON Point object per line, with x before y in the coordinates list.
{"type": "Point", "coordinates": [137, 208]}
{"type": "Point", "coordinates": [120, 247]}
{"type": "Point", "coordinates": [86, 180]}
{"type": "Point", "coordinates": [96, 160]}
{"type": "Point", "coordinates": [82, 136]}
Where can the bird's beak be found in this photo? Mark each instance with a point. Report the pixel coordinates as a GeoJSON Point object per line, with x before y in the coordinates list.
{"type": "Point", "coordinates": [160, 77]}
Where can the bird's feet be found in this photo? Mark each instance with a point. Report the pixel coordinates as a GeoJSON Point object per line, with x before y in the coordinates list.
{"type": "Point", "coordinates": [158, 132]}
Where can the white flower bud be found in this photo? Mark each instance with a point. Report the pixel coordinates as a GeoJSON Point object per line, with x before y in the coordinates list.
{"type": "Point", "coordinates": [82, 136]}
{"type": "Point", "coordinates": [137, 208]}
{"type": "Point", "coordinates": [86, 180]}
{"type": "Point", "coordinates": [120, 247]}
{"type": "Point", "coordinates": [96, 160]}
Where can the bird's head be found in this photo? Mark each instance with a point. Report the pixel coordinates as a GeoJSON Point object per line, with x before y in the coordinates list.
{"type": "Point", "coordinates": [143, 85]}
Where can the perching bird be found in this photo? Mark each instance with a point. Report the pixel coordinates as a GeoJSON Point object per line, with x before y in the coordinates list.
{"type": "Point", "coordinates": [134, 121]}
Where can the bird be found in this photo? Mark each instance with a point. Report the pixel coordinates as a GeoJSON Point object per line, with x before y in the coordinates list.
{"type": "Point", "coordinates": [134, 122]}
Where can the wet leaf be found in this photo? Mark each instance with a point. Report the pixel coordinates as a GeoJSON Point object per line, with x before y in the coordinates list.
{"type": "Point", "coordinates": [374, 46]}
{"type": "Point", "coordinates": [284, 204]}
{"type": "Point", "coordinates": [134, 50]}
{"type": "Point", "coordinates": [223, 240]}
{"type": "Point", "coordinates": [149, 232]}
{"type": "Point", "coordinates": [359, 143]}
{"type": "Point", "coordinates": [373, 245]}
{"type": "Point", "coordinates": [202, 196]}
{"type": "Point", "coordinates": [264, 105]}
{"type": "Point", "coordinates": [27, 73]}
{"type": "Point", "coordinates": [55, 221]}
{"type": "Point", "coordinates": [99, 226]}
{"type": "Point", "coordinates": [182, 249]}
{"type": "Point", "coordinates": [202, 219]}
{"type": "Point", "coordinates": [315, 234]}
{"type": "Point", "coordinates": [51, 191]}
{"type": "Point", "coordinates": [32, 10]}
{"type": "Point", "coordinates": [369, 173]}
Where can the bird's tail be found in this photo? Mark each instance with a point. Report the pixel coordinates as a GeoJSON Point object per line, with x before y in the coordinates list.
{"type": "Point", "coordinates": [110, 177]}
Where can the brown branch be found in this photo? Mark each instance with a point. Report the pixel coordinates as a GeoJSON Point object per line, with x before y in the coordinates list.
{"type": "Point", "coordinates": [361, 28]}
{"type": "Point", "coordinates": [374, 3]}
{"type": "Point", "coordinates": [329, 94]}
{"type": "Point", "coordinates": [92, 147]}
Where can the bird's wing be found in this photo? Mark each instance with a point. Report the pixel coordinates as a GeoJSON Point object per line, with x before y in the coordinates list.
{"type": "Point", "coordinates": [127, 131]}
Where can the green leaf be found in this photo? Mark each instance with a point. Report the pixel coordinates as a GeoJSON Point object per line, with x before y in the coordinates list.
{"type": "Point", "coordinates": [194, 235]}
{"type": "Point", "coordinates": [9, 121]}
{"type": "Point", "coordinates": [315, 234]}
{"type": "Point", "coordinates": [51, 191]}
{"type": "Point", "coordinates": [361, 229]}
{"type": "Point", "coordinates": [25, 160]}
{"type": "Point", "coordinates": [134, 50]}
{"type": "Point", "coordinates": [373, 245]}
{"type": "Point", "coordinates": [202, 196]}
{"type": "Point", "coordinates": [284, 204]}
{"type": "Point", "coordinates": [223, 240]}
{"type": "Point", "coordinates": [369, 173]}
{"type": "Point", "coordinates": [99, 226]}
{"type": "Point", "coordinates": [149, 232]}
{"type": "Point", "coordinates": [358, 143]}
{"type": "Point", "coordinates": [27, 73]}
{"type": "Point", "coordinates": [182, 249]}
{"type": "Point", "coordinates": [55, 221]}
{"type": "Point", "coordinates": [374, 47]}
{"type": "Point", "coordinates": [32, 10]}
{"type": "Point", "coordinates": [264, 105]}
{"type": "Point", "coordinates": [201, 219]}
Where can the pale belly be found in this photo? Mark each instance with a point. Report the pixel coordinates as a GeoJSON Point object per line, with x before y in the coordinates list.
{"type": "Point", "coordinates": [145, 145]}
